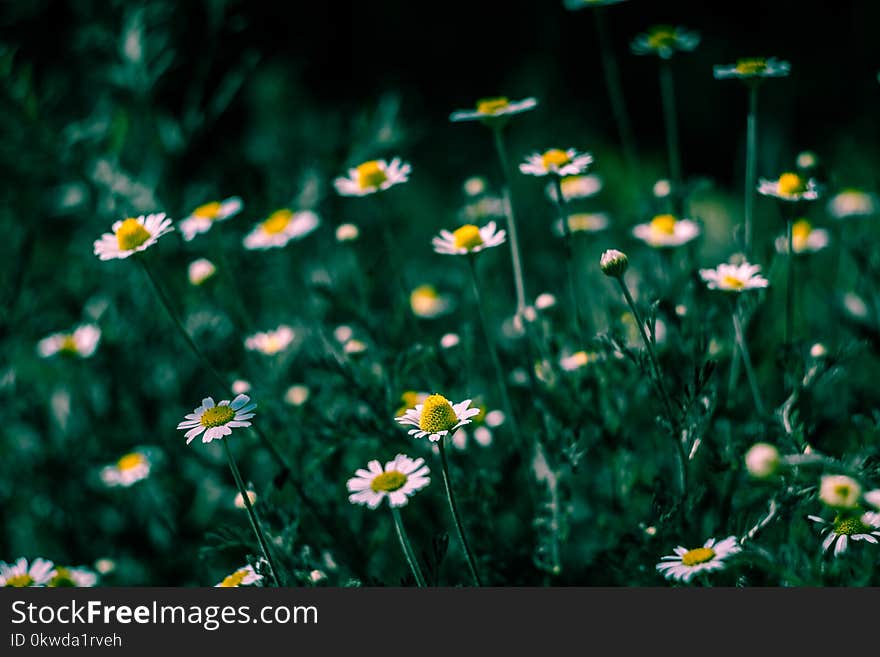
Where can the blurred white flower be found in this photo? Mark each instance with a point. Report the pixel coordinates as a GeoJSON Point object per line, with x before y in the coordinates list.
{"type": "Point", "coordinates": [128, 470]}
{"type": "Point", "coordinates": [281, 227]}
{"type": "Point", "coordinates": [343, 333]}
{"type": "Point", "coordinates": [685, 564]}
{"type": "Point", "coordinates": [490, 110]}
{"type": "Point", "coordinates": [354, 346]}
{"type": "Point", "coordinates": [240, 386]}
{"type": "Point", "coordinates": [790, 187]}
{"type": "Point", "coordinates": [584, 222]}
{"type": "Point", "coordinates": [241, 577]}
{"type": "Point", "coordinates": [238, 502]}
{"type": "Point", "coordinates": [840, 492]}
{"type": "Point", "coordinates": [22, 575]}
{"type": "Point", "coordinates": [270, 343]}
{"type": "Point", "coordinates": [665, 230]}
{"type": "Point", "coordinates": [734, 278]}
{"type": "Point", "coordinates": [804, 238]}
{"type": "Point", "coordinates": [347, 233]}
{"type": "Point", "coordinates": [132, 235]}
{"type": "Point", "coordinates": [67, 577]}
{"type": "Point", "coordinates": [200, 270]}
{"type": "Point", "coordinates": [750, 68]}
{"type": "Point", "coordinates": [576, 187]}
{"type": "Point", "coordinates": [373, 176]}
{"type": "Point", "coordinates": [474, 186]}
{"type": "Point", "coordinates": [449, 340]}
{"type": "Point", "coordinates": [399, 480]}
{"type": "Point", "coordinates": [297, 395]}
{"type": "Point", "coordinates": [577, 360]}
{"type": "Point", "coordinates": [556, 161]}
{"type": "Point", "coordinates": [762, 460]}
{"type": "Point", "coordinates": [82, 342]}
{"type": "Point", "coordinates": [664, 41]}
{"type": "Point", "coordinates": [544, 301]}
{"type": "Point", "coordinates": [851, 203]}
{"type": "Point", "coordinates": [662, 188]}
{"type": "Point", "coordinates": [480, 430]}
{"type": "Point", "coordinates": [426, 302]}
{"type": "Point", "coordinates": [203, 217]}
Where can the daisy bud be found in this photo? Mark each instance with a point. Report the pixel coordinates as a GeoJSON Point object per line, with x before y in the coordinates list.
{"type": "Point", "coordinates": [614, 263]}
{"type": "Point", "coordinates": [347, 233]}
{"type": "Point", "coordinates": [840, 491]}
{"type": "Point", "coordinates": [762, 460]}
{"type": "Point", "coordinates": [818, 350]}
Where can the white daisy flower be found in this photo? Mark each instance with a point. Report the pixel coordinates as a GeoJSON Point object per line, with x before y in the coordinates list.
{"type": "Point", "coordinates": [734, 278]}
{"type": "Point", "coordinates": [82, 342]}
{"type": "Point", "coordinates": [204, 216]}
{"type": "Point", "coordinates": [574, 5]}
{"type": "Point", "coordinates": [399, 480]}
{"type": "Point", "coordinates": [491, 110]}
{"type": "Point", "coordinates": [347, 233]}
{"type": "Point", "coordinates": [750, 68]}
{"type": "Point", "coordinates": [72, 577]}
{"type": "Point", "coordinates": [436, 417]}
{"type": "Point", "coordinates": [270, 343]}
{"type": "Point", "coordinates": [576, 187]}
{"type": "Point", "coordinates": [22, 575]}
{"type": "Point", "coordinates": [851, 203]}
{"type": "Point", "coordinates": [789, 187]}
{"type": "Point", "coordinates": [200, 270]}
{"type": "Point", "coordinates": [556, 161]}
{"type": "Point", "coordinates": [584, 222]}
{"type": "Point", "coordinates": [665, 230]}
{"type": "Point", "coordinates": [664, 41]}
{"type": "Point", "coordinates": [217, 420]}
{"type": "Point", "coordinates": [280, 227]}
{"type": "Point", "coordinates": [128, 470]}
{"type": "Point", "coordinates": [840, 492]}
{"type": "Point", "coordinates": [468, 239]}
{"type": "Point", "coordinates": [242, 577]}
{"type": "Point", "coordinates": [132, 235]}
{"type": "Point", "coordinates": [804, 238]}
{"type": "Point", "coordinates": [373, 176]}
{"type": "Point", "coordinates": [481, 430]}
{"type": "Point", "coordinates": [426, 302]}
{"type": "Point", "coordinates": [685, 564]}
{"type": "Point", "coordinates": [845, 528]}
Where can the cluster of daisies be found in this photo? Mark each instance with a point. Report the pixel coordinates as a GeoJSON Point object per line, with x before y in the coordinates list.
{"type": "Point", "coordinates": [43, 573]}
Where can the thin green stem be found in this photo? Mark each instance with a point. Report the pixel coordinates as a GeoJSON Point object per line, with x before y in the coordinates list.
{"type": "Point", "coordinates": [670, 116]}
{"type": "Point", "coordinates": [408, 551]}
{"type": "Point", "coordinates": [661, 388]}
{"type": "Point", "coordinates": [789, 283]}
{"type": "Point", "coordinates": [747, 361]}
{"type": "Point", "coordinates": [450, 496]}
{"type": "Point", "coordinates": [567, 239]}
{"type": "Point", "coordinates": [252, 516]}
{"type": "Point", "coordinates": [615, 91]}
{"type": "Point", "coordinates": [751, 168]}
{"type": "Point", "coordinates": [518, 281]}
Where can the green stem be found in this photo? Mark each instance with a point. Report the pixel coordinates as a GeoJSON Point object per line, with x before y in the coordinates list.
{"type": "Point", "coordinates": [450, 496]}
{"type": "Point", "coordinates": [518, 281]}
{"type": "Point", "coordinates": [615, 91]}
{"type": "Point", "coordinates": [667, 90]}
{"type": "Point", "coordinates": [252, 516]}
{"type": "Point", "coordinates": [789, 284]}
{"type": "Point", "coordinates": [661, 388]}
{"type": "Point", "coordinates": [569, 258]}
{"type": "Point", "coordinates": [751, 168]}
{"type": "Point", "coordinates": [408, 551]}
{"type": "Point", "coordinates": [747, 361]}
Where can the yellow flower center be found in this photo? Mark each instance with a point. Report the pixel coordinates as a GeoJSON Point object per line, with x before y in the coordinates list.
{"type": "Point", "coordinates": [847, 526]}
{"type": "Point", "coordinates": [131, 234]}
{"type": "Point", "coordinates": [130, 461]}
{"type": "Point", "coordinates": [235, 579]}
{"type": "Point", "coordinates": [554, 157]}
{"type": "Point", "coordinates": [732, 282]}
{"type": "Point", "coordinates": [437, 415]}
{"type": "Point", "coordinates": [663, 223]}
{"type": "Point", "coordinates": [751, 65]}
{"type": "Point", "coordinates": [63, 578]}
{"type": "Point", "coordinates": [467, 237]}
{"type": "Point", "coordinates": [661, 37]}
{"type": "Point", "coordinates": [68, 345]}
{"type": "Point", "coordinates": [277, 221]}
{"type": "Point", "coordinates": [388, 481]}
{"type": "Point", "coordinates": [697, 556]}
{"type": "Point", "coordinates": [492, 105]}
{"type": "Point", "coordinates": [19, 581]}
{"type": "Point", "coordinates": [217, 416]}
{"type": "Point", "coordinates": [800, 233]}
{"type": "Point", "coordinates": [370, 174]}
{"type": "Point", "coordinates": [791, 184]}
{"type": "Point", "coordinates": [207, 211]}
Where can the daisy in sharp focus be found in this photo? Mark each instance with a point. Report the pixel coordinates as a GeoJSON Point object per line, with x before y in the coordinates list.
{"type": "Point", "coordinates": [217, 420]}
{"type": "Point", "coordinates": [280, 227]}
{"type": "Point", "coordinates": [399, 480]}
{"type": "Point", "coordinates": [242, 577]}
{"type": "Point", "coordinates": [845, 528]}
{"type": "Point", "coordinates": [373, 176]}
{"type": "Point", "coordinates": [21, 575]}
{"type": "Point", "coordinates": [82, 342]}
{"type": "Point", "coordinates": [68, 577]}
{"type": "Point", "coordinates": [132, 235]}
{"type": "Point", "coordinates": [790, 187]}
{"type": "Point", "coordinates": [664, 41]}
{"type": "Point", "coordinates": [685, 564]}
{"type": "Point", "coordinates": [804, 238]}
{"type": "Point", "coordinates": [665, 230]}
{"type": "Point", "coordinates": [494, 110]}
{"type": "Point", "coordinates": [204, 216]}
{"type": "Point", "coordinates": [127, 471]}
{"type": "Point", "coordinates": [752, 68]}
{"type": "Point", "coordinates": [734, 278]}
{"type": "Point", "coordinates": [556, 161]}
{"type": "Point", "coordinates": [436, 417]}
{"type": "Point", "coordinates": [468, 239]}
{"type": "Point", "coordinates": [270, 343]}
